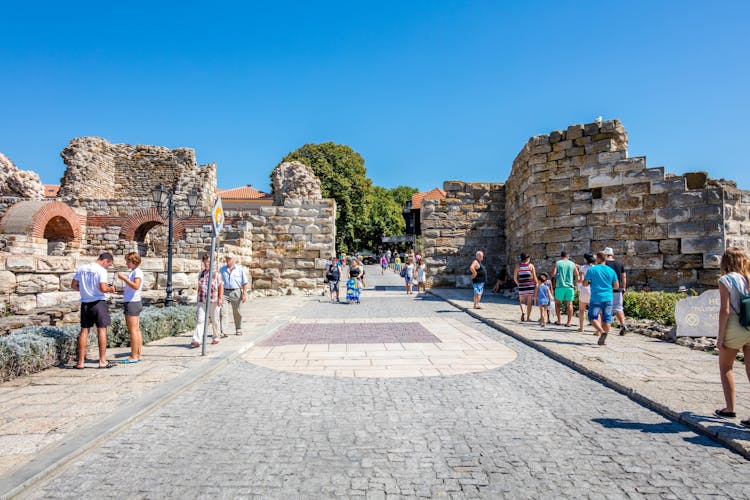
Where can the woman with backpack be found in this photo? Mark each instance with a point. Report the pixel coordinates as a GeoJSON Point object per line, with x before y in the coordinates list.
{"type": "Point", "coordinates": [333, 276]}
{"type": "Point", "coordinates": [733, 336]}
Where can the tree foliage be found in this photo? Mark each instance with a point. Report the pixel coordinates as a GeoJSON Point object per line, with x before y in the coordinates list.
{"type": "Point", "coordinates": [385, 218]}
{"type": "Point", "coordinates": [403, 194]}
{"type": "Point", "coordinates": [343, 177]}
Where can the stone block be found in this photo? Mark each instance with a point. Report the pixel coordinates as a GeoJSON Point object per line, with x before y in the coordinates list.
{"type": "Point", "coordinates": [692, 261]}
{"type": "Point", "coordinates": [590, 129]}
{"type": "Point", "coordinates": [558, 209]}
{"type": "Point", "coordinates": [559, 186]}
{"type": "Point", "coordinates": [555, 155]}
{"type": "Point", "coordinates": [703, 212]}
{"type": "Point", "coordinates": [23, 303]}
{"type": "Point", "coordinates": [545, 148]}
{"type": "Point", "coordinates": [49, 263]}
{"type": "Point", "coordinates": [20, 263]}
{"type": "Point", "coordinates": [642, 261]}
{"type": "Point", "coordinates": [36, 283]}
{"type": "Point", "coordinates": [655, 232]}
{"type": "Point", "coordinates": [574, 132]}
{"type": "Point", "coordinates": [605, 179]}
{"type": "Point", "coordinates": [637, 164]}
{"type": "Point", "coordinates": [580, 207]}
{"type": "Point", "coordinates": [629, 203]}
{"type": "Point", "coordinates": [669, 246]}
{"type": "Point", "coordinates": [452, 186]}
{"type": "Point", "coordinates": [596, 219]}
{"type": "Point", "coordinates": [603, 205]}
{"type": "Point", "coordinates": [585, 233]}
{"type": "Point", "coordinates": [306, 283]}
{"type": "Point", "coordinates": [557, 136]}
{"type": "Point", "coordinates": [667, 215]}
{"type": "Point", "coordinates": [701, 245]}
{"type": "Point", "coordinates": [52, 299]}
{"type": "Point", "coordinates": [603, 233]}
{"type": "Point", "coordinates": [154, 264]}
{"type": "Point", "coordinates": [558, 235]}
{"type": "Point", "coordinates": [179, 280]}
{"type": "Point", "coordinates": [7, 282]}
{"type": "Point", "coordinates": [562, 145]}
{"type": "Point", "coordinates": [712, 260]}
{"type": "Point", "coordinates": [574, 221]}
{"type": "Point", "coordinates": [687, 198]}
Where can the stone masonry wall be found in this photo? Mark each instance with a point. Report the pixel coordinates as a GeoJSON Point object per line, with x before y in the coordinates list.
{"type": "Point", "coordinates": [470, 218]}
{"type": "Point", "coordinates": [99, 170]}
{"type": "Point", "coordinates": [577, 190]}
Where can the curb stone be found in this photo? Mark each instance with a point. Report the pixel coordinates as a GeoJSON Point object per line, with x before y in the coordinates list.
{"type": "Point", "coordinates": [692, 423]}
{"type": "Point", "coordinates": [56, 458]}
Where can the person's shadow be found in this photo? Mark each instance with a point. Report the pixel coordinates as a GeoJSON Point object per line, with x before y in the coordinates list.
{"type": "Point", "coordinates": [667, 427]}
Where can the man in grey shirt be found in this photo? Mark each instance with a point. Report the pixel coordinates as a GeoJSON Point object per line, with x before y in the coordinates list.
{"type": "Point", "coordinates": [235, 282]}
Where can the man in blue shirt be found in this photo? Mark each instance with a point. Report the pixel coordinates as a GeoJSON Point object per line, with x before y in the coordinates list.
{"type": "Point", "coordinates": [603, 281]}
{"type": "Point", "coordinates": [235, 283]}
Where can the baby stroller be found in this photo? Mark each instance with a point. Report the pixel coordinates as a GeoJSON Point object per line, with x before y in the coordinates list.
{"type": "Point", "coordinates": [352, 290]}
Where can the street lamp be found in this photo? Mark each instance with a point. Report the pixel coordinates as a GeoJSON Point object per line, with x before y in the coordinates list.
{"type": "Point", "coordinates": [165, 198]}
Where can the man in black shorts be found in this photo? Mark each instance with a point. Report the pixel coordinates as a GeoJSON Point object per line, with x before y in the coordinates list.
{"type": "Point", "coordinates": [91, 281]}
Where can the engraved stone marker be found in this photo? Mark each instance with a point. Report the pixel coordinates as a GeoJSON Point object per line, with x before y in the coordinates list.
{"type": "Point", "coordinates": [698, 316]}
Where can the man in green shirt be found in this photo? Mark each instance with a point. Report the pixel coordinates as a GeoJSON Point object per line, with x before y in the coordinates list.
{"type": "Point", "coordinates": [566, 276]}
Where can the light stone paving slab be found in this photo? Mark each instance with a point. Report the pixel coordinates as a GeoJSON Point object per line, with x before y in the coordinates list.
{"type": "Point", "coordinates": [459, 350]}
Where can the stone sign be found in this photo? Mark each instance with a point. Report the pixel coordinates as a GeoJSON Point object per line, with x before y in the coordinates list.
{"type": "Point", "coordinates": [698, 316]}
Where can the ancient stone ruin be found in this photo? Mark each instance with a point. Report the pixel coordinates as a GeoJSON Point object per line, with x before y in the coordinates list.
{"type": "Point", "coordinates": [577, 190]}
{"type": "Point", "coordinates": [16, 182]}
{"type": "Point", "coordinates": [105, 204]}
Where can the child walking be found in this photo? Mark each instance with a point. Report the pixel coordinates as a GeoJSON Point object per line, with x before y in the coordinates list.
{"type": "Point", "coordinates": [542, 299]}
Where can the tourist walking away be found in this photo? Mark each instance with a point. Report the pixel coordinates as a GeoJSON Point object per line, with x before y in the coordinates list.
{"type": "Point", "coordinates": [332, 277]}
{"type": "Point", "coordinates": [383, 264]}
{"type": "Point", "coordinates": [618, 308]}
{"type": "Point", "coordinates": [388, 255]}
{"type": "Point", "coordinates": [565, 275]}
{"type": "Point", "coordinates": [584, 291]}
{"type": "Point", "coordinates": [90, 280]}
{"type": "Point", "coordinates": [542, 299]}
{"type": "Point", "coordinates": [408, 275]}
{"type": "Point", "coordinates": [602, 280]}
{"type": "Point", "coordinates": [525, 277]}
{"type": "Point", "coordinates": [421, 276]}
{"type": "Point", "coordinates": [213, 293]}
{"type": "Point", "coordinates": [235, 282]}
{"type": "Point", "coordinates": [478, 277]}
{"type": "Point", "coordinates": [732, 337]}
{"type": "Point", "coordinates": [131, 297]}
{"type": "Point", "coordinates": [353, 286]}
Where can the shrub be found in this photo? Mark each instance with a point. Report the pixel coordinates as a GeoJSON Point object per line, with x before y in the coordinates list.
{"type": "Point", "coordinates": [156, 323]}
{"type": "Point", "coordinates": [65, 337]}
{"type": "Point", "coordinates": [26, 353]}
{"type": "Point", "coordinates": [657, 306]}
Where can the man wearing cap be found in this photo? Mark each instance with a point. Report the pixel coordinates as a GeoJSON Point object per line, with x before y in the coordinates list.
{"type": "Point", "coordinates": [565, 274]}
{"type": "Point", "coordinates": [617, 302]}
{"type": "Point", "coordinates": [235, 282]}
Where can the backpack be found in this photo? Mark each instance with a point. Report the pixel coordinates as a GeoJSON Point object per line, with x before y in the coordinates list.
{"type": "Point", "coordinates": [403, 272]}
{"type": "Point", "coordinates": [744, 311]}
{"type": "Point", "coordinates": [333, 273]}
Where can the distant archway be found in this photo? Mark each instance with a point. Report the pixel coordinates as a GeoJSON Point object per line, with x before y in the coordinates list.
{"type": "Point", "coordinates": [52, 220]}
{"type": "Point", "coordinates": [149, 229]}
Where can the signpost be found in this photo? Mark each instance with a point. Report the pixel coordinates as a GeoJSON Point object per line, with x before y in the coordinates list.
{"type": "Point", "coordinates": [698, 316]}
{"type": "Point", "coordinates": [217, 220]}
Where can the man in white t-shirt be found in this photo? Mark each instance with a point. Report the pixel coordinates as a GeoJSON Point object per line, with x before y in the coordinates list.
{"type": "Point", "coordinates": [91, 281]}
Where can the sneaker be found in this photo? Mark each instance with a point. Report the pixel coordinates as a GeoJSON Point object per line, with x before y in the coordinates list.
{"type": "Point", "coordinates": [602, 339]}
{"type": "Point", "coordinates": [623, 329]}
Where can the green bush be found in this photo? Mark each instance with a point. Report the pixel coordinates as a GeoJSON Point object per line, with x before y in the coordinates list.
{"type": "Point", "coordinates": [658, 306]}
{"type": "Point", "coordinates": [156, 323]}
{"type": "Point", "coordinates": [65, 337]}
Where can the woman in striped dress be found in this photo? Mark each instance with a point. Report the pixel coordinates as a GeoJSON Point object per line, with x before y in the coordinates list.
{"type": "Point", "coordinates": [525, 278]}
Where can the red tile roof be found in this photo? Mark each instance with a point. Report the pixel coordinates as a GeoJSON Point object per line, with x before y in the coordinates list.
{"type": "Point", "coordinates": [435, 194]}
{"type": "Point", "coordinates": [50, 190]}
{"type": "Point", "coordinates": [242, 193]}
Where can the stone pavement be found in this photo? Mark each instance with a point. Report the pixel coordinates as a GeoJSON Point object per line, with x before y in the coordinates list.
{"type": "Point", "coordinates": [42, 414]}
{"type": "Point", "coordinates": [532, 427]}
{"type": "Point", "coordinates": [679, 382]}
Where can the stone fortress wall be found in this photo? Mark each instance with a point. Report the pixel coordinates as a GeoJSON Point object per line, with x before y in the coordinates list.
{"type": "Point", "coordinates": [104, 204]}
{"type": "Point", "coordinates": [577, 190]}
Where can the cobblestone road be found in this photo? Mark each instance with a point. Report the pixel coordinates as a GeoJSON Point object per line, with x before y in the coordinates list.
{"type": "Point", "coordinates": [531, 428]}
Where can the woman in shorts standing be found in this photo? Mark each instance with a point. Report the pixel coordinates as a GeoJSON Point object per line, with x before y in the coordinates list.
{"type": "Point", "coordinates": [525, 277]}
{"type": "Point", "coordinates": [732, 337]}
{"type": "Point", "coordinates": [584, 291]}
{"type": "Point", "coordinates": [131, 296]}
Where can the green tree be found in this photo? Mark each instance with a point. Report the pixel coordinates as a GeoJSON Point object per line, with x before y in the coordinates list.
{"type": "Point", "coordinates": [384, 219]}
{"type": "Point", "coordinates": [343, 177]}
{"type": "Point", "coordinates": [402, 194]}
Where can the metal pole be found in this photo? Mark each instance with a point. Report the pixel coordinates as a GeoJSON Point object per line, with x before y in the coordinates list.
{"type": "Point", "coordinates": [170, 210]}
{"type": "Point", "coordinates": [208, 292]}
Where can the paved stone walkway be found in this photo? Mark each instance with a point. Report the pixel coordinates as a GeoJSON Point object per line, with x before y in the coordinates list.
{"type": "Point", "coordinates": [528, 429]}
{"type": "Point", "coordinates": [678, 381]}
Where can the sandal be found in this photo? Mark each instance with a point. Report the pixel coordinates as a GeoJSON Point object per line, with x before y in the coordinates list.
{"type": "Point", "coordinates": [110, 364]}
{"type": "Point", "coordinates": [745, 423]}
{"type": "Point", "coordinates": [724, 413]}
{"type": "Point", "coordinates": [214, 341]}
{"type": "Point", "coordinates": [128, 361]}
{"type": "Point", "coordinates": [523, 316]}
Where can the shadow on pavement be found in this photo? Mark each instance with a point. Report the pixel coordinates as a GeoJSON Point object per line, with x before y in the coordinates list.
{"type": "Point", "coordinates": [660, 428]}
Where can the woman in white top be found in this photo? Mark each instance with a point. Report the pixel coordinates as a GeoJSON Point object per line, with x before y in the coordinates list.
{"type": "Point", "coordinates": [421, 276]}
{"type": "Point", "coordinates": [584, 291]}
{"type": "Point", "coordinates": [132, 305]}
{"type": "Point", "coordinates": [735, 270]}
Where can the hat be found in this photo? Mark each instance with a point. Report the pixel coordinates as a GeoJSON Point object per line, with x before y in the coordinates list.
{"type": "Point", "coordinates": [682, 289]}
{"type": "Point", "coordinates": [608, 251]}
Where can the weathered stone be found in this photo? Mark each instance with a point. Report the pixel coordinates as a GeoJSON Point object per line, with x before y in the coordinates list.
{"type": "Point", "coordinates": [36, 283]}
{"type": "Point", "coordinates": [21, 183]}
{"type": "Point", "coordinates": [20, 263]}
{"type": "Point", "coordinates": [7, 282]}
{"type": "Point", "coordinates": [701, 244]}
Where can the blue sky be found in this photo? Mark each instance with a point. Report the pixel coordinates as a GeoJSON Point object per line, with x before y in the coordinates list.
{"type": "Point", "coordinates": [426, 91]}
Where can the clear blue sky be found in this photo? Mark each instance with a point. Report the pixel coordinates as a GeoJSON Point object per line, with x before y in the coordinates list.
{"type": "Point", "coordinates": [425, 90]}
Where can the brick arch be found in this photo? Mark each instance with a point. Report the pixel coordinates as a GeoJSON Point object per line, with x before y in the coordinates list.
{"type": "Point", "coordinates": [30, 218]}
{"type": "Point", "coordinates": [138, 224]}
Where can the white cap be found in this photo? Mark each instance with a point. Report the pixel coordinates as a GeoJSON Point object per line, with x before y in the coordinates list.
{"type": "Point", "coordinates": [608, 251]}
